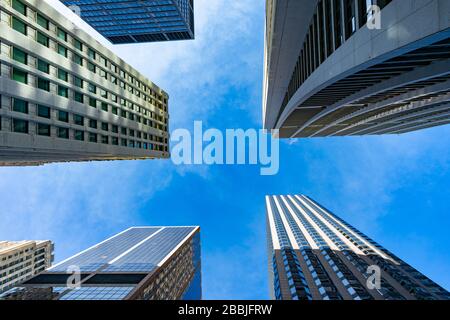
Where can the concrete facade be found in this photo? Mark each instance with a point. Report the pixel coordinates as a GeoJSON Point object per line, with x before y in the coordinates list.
{"type": "Point", "coordinates": [77, 100]}
{"type": "Point", "coordinates": [329, 74]}
{"type": "Point", "coordinates": [21, 260]}
{"type": "Point", "coordinates": [315, 255]}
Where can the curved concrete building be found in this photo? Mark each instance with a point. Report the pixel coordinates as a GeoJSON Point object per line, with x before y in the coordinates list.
{"type": "Point", "coordinates": [356, 67]}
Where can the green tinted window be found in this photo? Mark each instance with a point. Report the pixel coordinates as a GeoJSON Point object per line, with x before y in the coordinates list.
{"type": "Point", "coordinates": [19, 7]}
{"type": "Point", "coordinates": [19, 26]}
{"type": "Point", "coordinates": [20, 76]}
{"type": "Point", "coordinates": [20, 126]}
{"type": "Point", "coordinates": [20, 106]}
{"type": "Point", "coordinates": [43, 129]}
{"type": "Point", "coordinates": [43, 84]}
{"type": "Point", "coordinates": [63, 91]}
{"type": "Point", "coordinates": [43, 22]}
{"type": "Point", "coordinates": [43, 112]}
{"type": "Point", "coordinates": [63, 116]}
{"type": "Point", "coordinates": [79, 97]}
{"type": "Point", "coordinates": [42, 39]}
{"type": "Point", "coordinates": [43, 66]}
{"type": "Point", "coordinates": [20, 56]}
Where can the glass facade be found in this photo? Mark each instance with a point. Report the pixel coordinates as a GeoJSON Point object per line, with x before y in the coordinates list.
{"type": "Point", "coordinates": [315, 255]}
{"type": "Point", "coordinates": [143, 263]}
{"type": "Point", "coordinates": [138, 21]}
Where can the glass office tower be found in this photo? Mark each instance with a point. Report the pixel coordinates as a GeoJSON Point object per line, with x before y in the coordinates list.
{"type": "Point", "coordinates": [138, 21]}
{"type": "Point", "coordinates": [315, 255]}
{"type": "Point", "coordinates": [142, 263]}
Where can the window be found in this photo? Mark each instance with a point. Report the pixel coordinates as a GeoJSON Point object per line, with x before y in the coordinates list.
{"type": "Point", "coordinates": [115, 141]}
{"type": "Point", "coordinates": [93, 124]}
{"type": "Point", "coordinates": [78, 97]}
{"type": "Point", "coordinates": [92, 137]}
{"type": "Point", "coordinates": [42, 39]}
{"type": "Point", "coordinates": [20, 76]}
{"type": "Point", "coordinates": [19, 7]}
{"type": "Point", "coordinates": [20, 106]}
{"type": "Point", "coordinates": [63, 133]}
{"type": "Point", "coordinates": [123, 113]}
{"type": "Point", "coordinates": [103, 61]}
{"type": "Point", "coordinates": [63, 116]}
{"type": "Point", "coordinates": [91, 54]}
{"type": "Point", "coordinates": [78, 44]}
{"type": "Point", "coordinates": [105, 126]}
{"type": "Point", "coordinates": [123, 142]}
{"type": "Point", "coordinates": [43, 66]}
{"type": "Point", "coordinates": [19, 25]}
{"type": "Point", "coordinates": [92, 88]}
{"type": "Point", "coordinates": [123, 131]}
{"type": "Point", "coordinates": [43, 22]}
{"type": "Point", "coordinates": [43, 129]}
{"type": "Point", "coordinates": [62, 50]}
{"type": "Point", "coordinates": [103, 74]}
{"type": "Point", "coordinates": [78, 82]}
{"type": "Point", "coordinates": [20, 56]}
{"type": "Point", "coordinates": [104, 106]}
{"type": "Point", "coordinates": [79, 135]}
{"type": "Point", "coordinates": [63, 75]}
{"type": "Point", "coordinates": [114, 80]}
{"type": "Point", "coordinates": [114, 110]}
{"type": "Point", "coordinates": [115, 129]}
{"type": "Point", "coordinates": [63, 91]}
{"type": "Point", "coordinates": [77, 59]}
{"type": "Point", "coordinates": [62, 34]}
{"type": "Point", "coordinates": [43, 111]}
{"type": "Point", "coordinates": [131, 133]}
{"type": "Point", "coordinates": [105, 139]}
{"type": "Point", "coordinates": [43, 84]}
{"type": "Point", "coordinates": [103, 94]}
{"type": "Point", "coordinates": [93, 102]}
{"type": "Point", "coordinates": [78, 120]}
{"type": "Point", "coordinates": [20, 126]}
{"type": "Point", "coordinates": [91, 67]}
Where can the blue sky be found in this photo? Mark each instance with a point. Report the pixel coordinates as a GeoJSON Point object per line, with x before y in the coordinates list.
{"type": "Point", "coordinates": [393, 188]}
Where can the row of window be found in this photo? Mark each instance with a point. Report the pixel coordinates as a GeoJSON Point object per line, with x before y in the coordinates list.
{"type": "Point", "coordinates": [42, 111]}
{"type": "Point", "coordinates": [42, 129]}
{"type": "Point", "coordinates": [345, 18]}
{"type": "Point", "coordinates": [92, 55]}
{"type": "Point", "coordinates": [63, 91]}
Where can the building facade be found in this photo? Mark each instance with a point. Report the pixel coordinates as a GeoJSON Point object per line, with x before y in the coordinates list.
{"type": "Point", "coordinates": [315, 255]}
{"type": "Point", "coordinates": [138, 21]}
{"type": "Point", "coordinates": [356, 67]}
{"type": "Point", "coordinates": [21, 260]}
{"type": "Point", "coordinates": [65, 97]}
{"type": "Point", "coordinates": [142, 263]}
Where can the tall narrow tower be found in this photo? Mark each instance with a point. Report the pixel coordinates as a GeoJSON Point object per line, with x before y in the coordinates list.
{"type": "Point", "coordinates": [315, 255]}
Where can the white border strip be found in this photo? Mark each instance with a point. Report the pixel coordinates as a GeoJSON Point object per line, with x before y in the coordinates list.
{"type": "Point", "coordinates": [90, 248]}
{"type": "Point", "coordinates": [168, 256]}
{"type": "Point", "coordinates": [135, 246]}
{"type": "Point", "coordinates": [273, 232]}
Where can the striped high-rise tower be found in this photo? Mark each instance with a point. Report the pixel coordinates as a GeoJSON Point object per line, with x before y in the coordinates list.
{"type": "Point", "coordinates": [315, 255]}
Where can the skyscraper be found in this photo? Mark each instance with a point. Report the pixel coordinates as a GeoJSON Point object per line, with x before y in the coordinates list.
{"type": "Point", "coordinates": [21, 260]}
{"type": "Point", "coordinates": [315, 255]}
{"type": "Point", "coordinates": [66, 97]}
{"type": "Point", "coordinates": [356, 67]}
{"type": "Point", "coordinates": [141, 263]}
{"type": "Point", "coordinates": [138, 21]}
